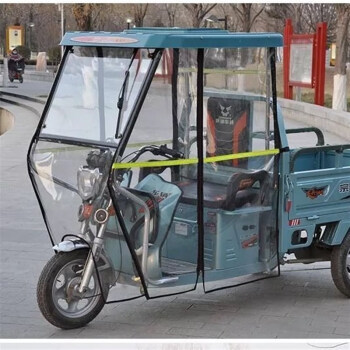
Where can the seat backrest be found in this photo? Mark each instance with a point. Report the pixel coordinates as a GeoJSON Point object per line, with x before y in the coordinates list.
{"type": "Point", "coordinates": [242, 182]}
{"type": "Point", "coordinates": [228, 128]}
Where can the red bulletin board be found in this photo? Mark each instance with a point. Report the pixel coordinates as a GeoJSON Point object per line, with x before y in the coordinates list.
{"type": "Point", "coordinates": [304, 62]}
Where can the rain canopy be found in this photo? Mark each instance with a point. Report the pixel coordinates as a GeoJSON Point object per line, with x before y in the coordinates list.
{"type": "Point", "coordinates": [177, 144]}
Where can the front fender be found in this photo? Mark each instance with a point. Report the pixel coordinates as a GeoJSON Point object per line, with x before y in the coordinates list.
{"type": "Point", "coordinates": [70, 245]}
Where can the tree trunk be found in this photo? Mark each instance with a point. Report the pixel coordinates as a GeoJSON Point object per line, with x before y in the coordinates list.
{"type": "Point", "coordinates": [339, 89]}
{"type": "Point", "coordinates": [171, 11]}
{"type": "Point", "coordinates": [198, 12]}
{"type": "Point", "coordinates": [83, 16]}
{"type": "Point", "coordinates": [140, 11]}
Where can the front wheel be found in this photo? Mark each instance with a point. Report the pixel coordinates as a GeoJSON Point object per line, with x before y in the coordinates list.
{"type": "Point", "coordinates": [56, 292]}
{"type": "Point", "coordinates": [340, 266]}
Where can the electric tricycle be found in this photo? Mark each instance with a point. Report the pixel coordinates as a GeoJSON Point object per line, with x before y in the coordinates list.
{"type": "Point", "coordinates": [162, 161]}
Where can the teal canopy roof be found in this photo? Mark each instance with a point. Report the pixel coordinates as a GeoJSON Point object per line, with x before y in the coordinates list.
{"type": "Point", "coordinates": [172, 38]}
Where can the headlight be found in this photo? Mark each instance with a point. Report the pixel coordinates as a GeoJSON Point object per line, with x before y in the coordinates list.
{"type": "Point", "coordinates": [88, 182]}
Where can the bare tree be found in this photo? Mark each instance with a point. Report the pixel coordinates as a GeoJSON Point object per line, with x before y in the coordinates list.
{"type": "Point", "coordinates": [198, 12]}
{"type": "Point", "coordinates": [83, 15]}
{"type": "Point", "coordinates": [46, 33]}
{"type": "Point", "coordinates": [304, 17]}
{"type": "Point", "coordinates": [171, 10]}
{"type": "Point", "coordinates": [6, 16]}
{"type": "Point", "coordinates": [247, 14]}
{"type": "Point", "coordinates": [233, 22]}
{"type": "Point", "coordinates": [339, 88]}
{"type": "Point", "coordinates": [280, 12]}
{"type": "Point", "coordinates": [113, 17]}
{"type": "Point", "coordinates": [315, 13]}
{"type": "Point", "coordinates": [140, 11]}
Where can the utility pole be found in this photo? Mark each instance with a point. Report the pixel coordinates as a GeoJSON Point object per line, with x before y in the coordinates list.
{"type": "Point", "coordinates": [6, 72]}
{"type": "Point", "coordinates": [61, 9]}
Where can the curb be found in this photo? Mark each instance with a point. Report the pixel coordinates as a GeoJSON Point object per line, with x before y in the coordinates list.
{"type": "Point", "coordinates": [335, 122]}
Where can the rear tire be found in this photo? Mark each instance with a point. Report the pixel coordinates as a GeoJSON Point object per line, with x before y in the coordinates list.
{"type": "Point", "coordinates": [340, 266]}
{"type": "Point", "coordinates": [54, 292]}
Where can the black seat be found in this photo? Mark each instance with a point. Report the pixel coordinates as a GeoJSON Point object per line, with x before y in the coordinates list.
{"type": "Point", "coordinates": [235, 194]}
{"type": "Point", "coordinates": [214, 194]}
{"type": "Point", "coordinates": [240, 191]}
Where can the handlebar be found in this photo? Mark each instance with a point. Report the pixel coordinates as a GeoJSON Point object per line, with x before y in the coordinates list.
{"type": "Point", "coordinates": [162, 150]}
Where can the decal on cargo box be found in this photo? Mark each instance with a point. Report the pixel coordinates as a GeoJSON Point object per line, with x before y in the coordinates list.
{"type": "Point", "coordinates": [344, 188]}
{"type": "Point", "coordinates": [294, 222]}
{"type": "Point", "coordinates": [250, 242]}
{"type": "Point", "coordinates": [315, 192]}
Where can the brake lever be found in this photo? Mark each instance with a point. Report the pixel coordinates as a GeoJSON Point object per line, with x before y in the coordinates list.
{"type": "Point", "coordinates": [171, 152]}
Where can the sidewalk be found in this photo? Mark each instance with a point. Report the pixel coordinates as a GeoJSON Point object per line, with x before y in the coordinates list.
{"type": "Point", "coordinates": [299, 304]}
{"type": "Point", "coordinates": [38, 89]}
{"type": "Point", "coordinates": [31, 74]}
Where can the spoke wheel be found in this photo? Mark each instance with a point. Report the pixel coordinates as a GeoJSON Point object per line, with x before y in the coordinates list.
{"type": "Point", "coordinates": [340, 266]}
{"type": "Point", "coordinates": [57, 295]}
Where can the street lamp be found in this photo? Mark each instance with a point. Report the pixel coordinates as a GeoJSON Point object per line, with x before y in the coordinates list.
{"type": "Point", "coordinates": [30, 26]}
{"type": "Point", "coordinates": [214, 19]}
{"type": "Point", "coordinates": [128, 21]}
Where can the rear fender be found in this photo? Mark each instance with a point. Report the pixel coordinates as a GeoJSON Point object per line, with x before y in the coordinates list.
{"type": "Point", "coordinates": [338, 235]}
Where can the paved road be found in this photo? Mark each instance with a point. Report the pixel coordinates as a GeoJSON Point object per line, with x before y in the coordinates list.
{"type": "Point", "coordinates": [181, 345]}
{"type": "Point", "coordinates": [302, 303]}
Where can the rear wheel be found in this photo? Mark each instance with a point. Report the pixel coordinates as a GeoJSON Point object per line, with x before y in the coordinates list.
{"type": "Point", "coordinates": [21, 79]}
{"type": "Point", "coordinates": [340, 266]}
{"type": "Point", "coordinates": [56, 292]}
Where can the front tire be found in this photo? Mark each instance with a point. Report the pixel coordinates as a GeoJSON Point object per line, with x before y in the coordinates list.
{"type": "Point", "coordinates": [340, 266]}
{"type": "Point", "coordinates": [55, 291]}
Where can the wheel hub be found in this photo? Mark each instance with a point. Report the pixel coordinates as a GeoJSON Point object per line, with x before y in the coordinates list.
{"type": "Point", "coordinates": [73, 289]}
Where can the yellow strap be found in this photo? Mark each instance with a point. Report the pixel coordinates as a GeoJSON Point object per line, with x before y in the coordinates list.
{"type": "Point", "coordinates": [166, 163]}
{"type": "Point", "coordinates": [241, 155]}
{"type": "Point", "coordinates": [221, 71]}
{"type": "Point", "coordinates": [160, 163]}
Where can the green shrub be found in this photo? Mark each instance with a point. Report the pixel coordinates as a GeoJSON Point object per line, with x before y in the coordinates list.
{"type": "Point", "coordinates": [54, 54]}
{"type": "Point", "coordinates": [24, 51]}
